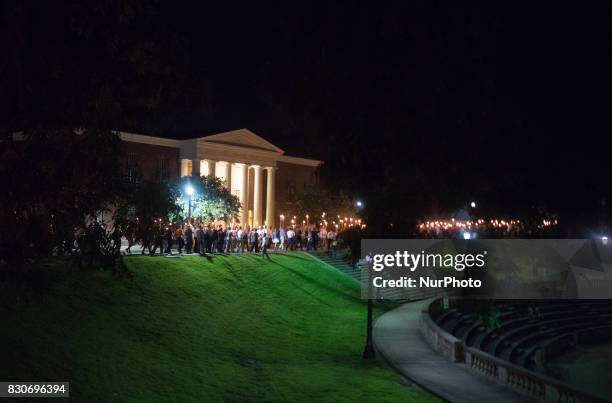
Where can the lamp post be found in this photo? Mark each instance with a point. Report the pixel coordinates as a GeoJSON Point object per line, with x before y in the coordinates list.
{"type": "Point", "coordinates": [189, 191]}
{"type": "Point", "coordinates": [368, 352]}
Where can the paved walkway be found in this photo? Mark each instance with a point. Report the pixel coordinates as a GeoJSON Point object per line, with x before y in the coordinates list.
{"type": "Point", "coordinates": [398, 338]}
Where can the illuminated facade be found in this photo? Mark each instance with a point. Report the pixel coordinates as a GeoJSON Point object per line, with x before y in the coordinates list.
{"type": "Point", "coordinates": [266, 181]}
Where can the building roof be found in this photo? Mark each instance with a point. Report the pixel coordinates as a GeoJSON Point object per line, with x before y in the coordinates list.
{"type": "Point", "coordinates": [241, 138]}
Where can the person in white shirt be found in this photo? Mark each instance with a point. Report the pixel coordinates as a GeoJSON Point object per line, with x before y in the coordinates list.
{"type": "Point", "coordinates": [291, 239]}
{"type": "Point", "coordinates": [282, 234]}
{"type": "Point", "coordinates": [323, 235]}
{"type": "Point", "coordinates": [239, 240]}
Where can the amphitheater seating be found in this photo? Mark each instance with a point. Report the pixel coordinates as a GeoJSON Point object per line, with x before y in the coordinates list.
{"type": "Point", "coordinates": [529, 341]}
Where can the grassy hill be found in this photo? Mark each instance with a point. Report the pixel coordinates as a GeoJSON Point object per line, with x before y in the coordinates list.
{"type": "Point", "coordinates": [237, 328]}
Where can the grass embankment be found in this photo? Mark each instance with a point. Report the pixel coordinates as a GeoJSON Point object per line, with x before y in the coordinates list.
{"type": "Point", "coordinates": [236, 328]}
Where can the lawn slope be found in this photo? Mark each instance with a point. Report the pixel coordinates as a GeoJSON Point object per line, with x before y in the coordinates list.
{"type": "Point", "coordinates": [233, 328]}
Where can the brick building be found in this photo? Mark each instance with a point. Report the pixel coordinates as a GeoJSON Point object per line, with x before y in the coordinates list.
{"type": "Point", "coordinates": [266, 181]}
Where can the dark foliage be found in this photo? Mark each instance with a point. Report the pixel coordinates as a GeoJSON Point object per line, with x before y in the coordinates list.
{"type": "Point", "coordinates": [318, 199]}
{"type": "Point", "coordinates": [55, 183]}
{"type": "Point", "coordinates": [145, 207]}
{"type": "Point", "coordinates": [351, 239]}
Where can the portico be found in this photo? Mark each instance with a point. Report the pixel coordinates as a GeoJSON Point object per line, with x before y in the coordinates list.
{"type": "Point", "coordinates": [235, 175]}
{"type": "Point", "coordinates": [247, 164]}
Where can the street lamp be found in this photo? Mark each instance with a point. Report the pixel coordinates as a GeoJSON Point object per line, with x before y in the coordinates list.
{"type": "Point", "coordinates": [359, 203]}
{"type": "Point", "coordinates": [368, 352]}
{"type": "Point", "coordinates": [189, 191]}
{"type": "Point", "coordinates": [473, 204]}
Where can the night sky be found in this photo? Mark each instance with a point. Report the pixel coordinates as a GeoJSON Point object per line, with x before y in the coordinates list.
{"type": "Point", "coordinates": [507, 105]}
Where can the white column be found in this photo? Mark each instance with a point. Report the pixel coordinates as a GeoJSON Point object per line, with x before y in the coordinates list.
{"type": "Point", "coordinates": [271, 198]}
{"type": "Point", "coordinates": [195, 167]}
{"type": "Point", "coordinates": [244, 191]}
{"type": "Point", "coordinates": [257, 202]}
{"type": "Point", "coordinates": [211, 167]}
{"type": "Point", "coordinates": [184, 167]}
{"type": "Point", "coordinates": [228, 176]}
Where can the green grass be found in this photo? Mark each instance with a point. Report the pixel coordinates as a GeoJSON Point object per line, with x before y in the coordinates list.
{"type": "Point", "coordinates": [237, 328]}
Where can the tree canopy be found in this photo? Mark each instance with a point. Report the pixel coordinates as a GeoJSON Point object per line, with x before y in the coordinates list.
{"type": "Point", "coordinates": [211, 200]}
{"type": "Point", "coordinates": [54, 181]}
{"type": "Point", "coordinates": [317, 200]}
{"type": "Point", "coordinates": [146, 206]}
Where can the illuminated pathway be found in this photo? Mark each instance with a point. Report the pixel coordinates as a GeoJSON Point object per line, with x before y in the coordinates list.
{"type": "Point", "coordinates": [399, 341]}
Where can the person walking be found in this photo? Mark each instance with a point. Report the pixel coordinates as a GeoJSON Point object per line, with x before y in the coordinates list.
{"type": "Point", "coordinates": [220, 239]}
{"type": "Point", "coordinates": [334, 246]}
{"type": "Point", "coordinates": [146, 242]}
{"type": "Point", "coordinates": [212, 247]}
{"type": "Point", "coordinates": [275, 239]}
{"type": "Point", "coordinates": [188, 238]}
{"type": "Point", "coordinates": [281, 237]}
{"type": "Point", "coordinates": [158, 241]}
{"type": "Point", "coordinates": [178, 235]}
{"type": "Point", "coordinates": [331, 235]}
{"type": "Point", "coordinates": [245, 239]}
{"type": "Point", "coordinates": [298, 238]}
{"type": "Point", "coordinates": [168, 238]}
{"type": "Point", "coordinates": [206, 238]}
{"type": "Point", "coordinates": [291, 239]}
{"type": "Point", "coordinates": [239, 240]}
{"type": "Point", "coordinates": [264, 243]}
{"type": "Point", "coordinates": [227, 247]}
{"type": "Point", "coordinates": [129, 237]}
{"type": "Point", "coordinates": [253, 240]}
{"type": "Point", "coordinates": [323, 237]}
{"type": "Point", "coordinates": [199, 248]}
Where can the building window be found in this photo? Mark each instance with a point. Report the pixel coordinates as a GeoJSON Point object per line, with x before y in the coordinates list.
{"type": "Point", "coordinates": [164, 173]}
{"type": "Point", "coordinates": [291, 191]}
{"type": "Point", "coordinates": [100, 216]}
{"type": "Point", "coordinates": [131, 168]}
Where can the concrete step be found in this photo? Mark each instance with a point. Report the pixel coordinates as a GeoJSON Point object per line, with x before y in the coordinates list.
{"type": "Point", "coordinates": [355, 272]}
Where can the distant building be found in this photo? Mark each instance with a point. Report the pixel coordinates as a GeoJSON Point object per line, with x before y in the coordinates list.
{"type": "Point", "coordinates": [266, 181]}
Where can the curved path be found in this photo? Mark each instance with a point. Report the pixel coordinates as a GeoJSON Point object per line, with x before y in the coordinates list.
{"type": "Point", "coordinates": [398, 339]}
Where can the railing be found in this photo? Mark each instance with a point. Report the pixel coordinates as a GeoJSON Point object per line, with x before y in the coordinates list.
{"type": "Point", "coordinates": [442, 342]}
{"type": "Point", "coordinates": [529, 383]}
{"type": "Point", "coordinates": [537, 386]}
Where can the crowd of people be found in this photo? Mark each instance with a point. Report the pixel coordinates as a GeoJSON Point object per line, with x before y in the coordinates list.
{"type": "Point", "coordinates": [489, 229]}
{"type": "Point", "coordinates": [200, 238]}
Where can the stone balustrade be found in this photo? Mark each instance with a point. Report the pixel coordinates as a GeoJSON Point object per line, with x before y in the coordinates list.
{"type": "Point", "coordinates": [535, 385]}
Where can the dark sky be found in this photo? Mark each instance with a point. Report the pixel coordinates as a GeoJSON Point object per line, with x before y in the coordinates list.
{"type": "Point", "coordinates": [504, 103]}
{"type": "Point", "coordinates": [546, 68]}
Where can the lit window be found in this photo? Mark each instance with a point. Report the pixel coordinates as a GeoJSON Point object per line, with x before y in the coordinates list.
{"type": "Point", "coordinates": [131, 168]}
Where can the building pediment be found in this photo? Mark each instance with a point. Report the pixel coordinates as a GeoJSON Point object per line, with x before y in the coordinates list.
{"type": "Point", "coordinates": [242, 138]}
{"type": "Point", "coordinates": [241, 146]}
